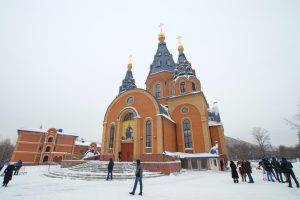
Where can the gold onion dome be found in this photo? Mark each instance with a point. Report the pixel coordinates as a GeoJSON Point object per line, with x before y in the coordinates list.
{"type": "Point", "coordinates": [180, 46]}
{"type": "Point", "coordinates": [161, 35]}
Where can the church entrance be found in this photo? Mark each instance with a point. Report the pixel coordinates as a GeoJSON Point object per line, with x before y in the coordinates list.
{"type": "Point", "coordinates": [127, 151]}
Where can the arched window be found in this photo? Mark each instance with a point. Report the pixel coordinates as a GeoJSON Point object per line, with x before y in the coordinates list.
{"type": "Point", "coordinates": [45, 159]}
{"type": "Point", "coordinates": [50, 139]}
{"type": "Point", "coordinates": [182, 87]}
{"type": "Point", "coordinates": [111, 137]}
{"type": "Point", "coordinates": [193, 86]}
{"type": "Point", "coordinates": [129, 117]}
{"type": "Point", "coordinates": [148, 134]}
{"type": "Point", "coordinates": [157, 91]}
{"type": "Point", "coordinates": [48, 149]}
{"type": "Point", "coordinates": [187, 134]}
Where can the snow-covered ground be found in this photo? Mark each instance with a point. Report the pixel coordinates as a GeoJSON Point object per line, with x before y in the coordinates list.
{"type": "Point", "coordinates": [188, 185]}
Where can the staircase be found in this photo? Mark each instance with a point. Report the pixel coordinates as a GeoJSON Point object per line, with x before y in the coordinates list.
{"type": "Point", "coordinates": [97, 170]}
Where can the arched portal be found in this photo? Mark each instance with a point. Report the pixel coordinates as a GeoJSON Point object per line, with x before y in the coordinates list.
{"type": "Point", "coordinates": [127, 136]}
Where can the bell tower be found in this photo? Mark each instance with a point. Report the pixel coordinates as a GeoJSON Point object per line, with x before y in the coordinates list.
{"type": "Point", "coordinates": [161, 72]}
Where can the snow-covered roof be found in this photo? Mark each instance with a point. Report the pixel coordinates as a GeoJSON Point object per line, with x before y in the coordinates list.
{"type": "Point", "coordinates": [190, 155]}
{"type": "Point", "coordinates": [84, 143]}
{"type": "Point", "coordinates": [214, 123]}
{"type": "Point", "coordinates": [37, 130]}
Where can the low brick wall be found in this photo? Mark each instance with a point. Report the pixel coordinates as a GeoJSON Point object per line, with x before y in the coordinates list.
{"type": "Point", "coordinates": [163, 167]}
{"type": "Point", "coordinates": [70, 163]}
{"type": "Point", "coordinates": [106, 157]}
{"type": "Point", "coordinates": [156, 158]}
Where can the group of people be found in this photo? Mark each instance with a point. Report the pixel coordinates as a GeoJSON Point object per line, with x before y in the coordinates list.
{"type": "Point", "coordinates": [9, 171]}
{"type": "Point", "coordinates": [278, 170]}
{"type": "Point", "coordinates": [245, 169]}
{"type": "Point", "coordinates": [138, 175]}
{"type": "Point", "coordinates": [271, 168]}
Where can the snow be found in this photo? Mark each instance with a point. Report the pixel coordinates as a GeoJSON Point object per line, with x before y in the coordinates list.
{"type": "Point", "coordinates": [191, 155]}
{"type": "Point", "coordinates": [84, 143]}
{"type": "Point", "coordinates": [191, 185]}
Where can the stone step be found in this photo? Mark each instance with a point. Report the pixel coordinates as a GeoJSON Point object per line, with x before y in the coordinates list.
{"type": "Point", "coordinates": [97, 170]}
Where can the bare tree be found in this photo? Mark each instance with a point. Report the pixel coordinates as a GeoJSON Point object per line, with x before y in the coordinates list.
{"type": "Point", "coordinates": [262, 139]}
{"type": "Point", "coordinates": [6, 150]}
{"type": "Point", "coordinates": [295, 122]}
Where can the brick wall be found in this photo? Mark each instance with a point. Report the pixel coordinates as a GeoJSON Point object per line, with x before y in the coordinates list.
{"type": "Point", "coordinates": [106, 157]}
{"type": "Point", "coordinates": [163, 167]}
{"type": "Point", "coordinates": [155, 158]}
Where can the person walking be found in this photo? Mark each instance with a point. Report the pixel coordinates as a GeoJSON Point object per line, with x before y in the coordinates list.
{"type": "Point", "coordinates": [268, 168]}
{"type": "Point", "coordinates": [8, 174]}
{"type": "Point", "coordinates": [138, 178]}
{"type": "Point", "coordinates": [276, 166]}
{"type": "Point", "coordinates": [234, 173]}
{"type": "Point", "coordinates": [18, 167]}
{"type": "Point", "coordinates": [249, 171]}
{"type": "Point", "coordinates": [110, 168]}
{"type": "Point", "coordinates": [287, 165]}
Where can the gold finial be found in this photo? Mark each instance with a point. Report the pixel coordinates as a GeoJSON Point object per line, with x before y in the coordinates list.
{"type": "Point", "coordinates": [180, 46]}
{"type": "Point", "coordinates": [129, 66]}
{"type": "Point", "coordinates": [161, 35]}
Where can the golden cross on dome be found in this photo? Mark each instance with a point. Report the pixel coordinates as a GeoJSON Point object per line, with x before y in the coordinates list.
{"type": "Point", "coordinates": [160, 26]}
{"type": "Point", "coordinates": [179, 39]}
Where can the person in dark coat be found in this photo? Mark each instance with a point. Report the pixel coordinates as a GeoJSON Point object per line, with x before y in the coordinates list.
{"type": "Point", "coordinates": [249, 171]}
{"type": "Point", "coordinates": [268, 169]}
{"type": "Point", "coordinates": [288, 167]}
{"type": "Point", "coordinates": [276, 166]}
{"type": "Point", "coordinates": [234, 173]}
{"type": "Point", "coordinates": [8, 174]}
{"type": "Point", "coordinates": [18, 167]}
{"type": "Point", "coordinates": [110, 168]}
{"type": "Point", "coordinates": [138, 178]}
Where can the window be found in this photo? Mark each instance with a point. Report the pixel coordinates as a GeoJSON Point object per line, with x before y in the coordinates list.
{"type": "Point", "coordinates": [187, 134]}
{"type": "Point", "coordinates": [193, 86]}
{"type": "Point", "coordinates": [128, 117]}
{"type": "Point", "coordinates": [184, 110]}
{"type": "Point", "coordinates": [148, 134]}
{"type": "Point", "coordinates": [111, 137]}
{"type": "Point", "coordinates": [50, 139]}
{"type": "Point", "coordinates": [129, 100]}
{"type": "Point", "coordinates": [48, 149]}
{"type": "Point", "coordinates": [182, 87]}
{"type": "Point", "coordinates": [157, 91]}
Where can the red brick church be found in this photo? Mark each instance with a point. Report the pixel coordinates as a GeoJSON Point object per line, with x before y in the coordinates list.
{"type": "Point", "coordinates": [171, 115]}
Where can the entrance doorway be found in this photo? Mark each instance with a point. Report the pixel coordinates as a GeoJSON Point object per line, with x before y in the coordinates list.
{"type": "Point", "coordinates": [127, 152]}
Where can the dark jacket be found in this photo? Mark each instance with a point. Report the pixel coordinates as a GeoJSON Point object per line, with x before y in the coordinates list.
{"type": "Point", "coordinates": [248, 167]}
{"type": "Point", "coordinates": [286, 166]}
{"type": "Point", "coordinates": [268, 166]}
{"type": "Point", "coordinates": [9, 172]}
{"type": "Point", "coordinates": [276, 166]}
{"type": "Point", "coordinates": [234, 173]}
{"type": "Point", "coordinates": [139, 170]}
{"type": "Point", "coordinates": [19, 165]}
{"type": "Point", "coordinates": [110, 166]}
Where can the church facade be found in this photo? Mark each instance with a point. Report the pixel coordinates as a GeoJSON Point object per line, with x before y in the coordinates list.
{"type": "Point", "coordinates": [171, 115]}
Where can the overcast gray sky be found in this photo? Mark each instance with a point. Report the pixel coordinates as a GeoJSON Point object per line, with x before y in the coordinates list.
{"type": "Point", "coordinates": [62, 62]}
